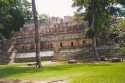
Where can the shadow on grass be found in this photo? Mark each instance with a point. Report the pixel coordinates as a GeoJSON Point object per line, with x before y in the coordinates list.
{"type": "Point", "coordinates": [9, 71]}
{"type": "Point", "coordinates": [12, 71]}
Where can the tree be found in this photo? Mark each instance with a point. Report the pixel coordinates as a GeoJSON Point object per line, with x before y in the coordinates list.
{"type": "Point", "coordinates": [98, 14]}
{"type": "Point", "coordinates": [13, 14]}
{"type": "Point", "coordinates": [37, 36]}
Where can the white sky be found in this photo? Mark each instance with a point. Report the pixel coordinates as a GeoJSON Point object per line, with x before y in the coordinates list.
{"type": "Point", "coordinates": [58, 8]}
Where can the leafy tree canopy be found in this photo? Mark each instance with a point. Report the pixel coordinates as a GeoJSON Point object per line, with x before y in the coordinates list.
{"type": "Point", "coordinates": [43, 18]}
{"type": "Point", "coordinates": [13, 14]}
{"type": "Point", "coordinates": [99, 10]}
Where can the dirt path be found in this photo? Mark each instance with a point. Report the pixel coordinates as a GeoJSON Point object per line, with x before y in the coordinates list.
{"type": "Point", "coordinates": [28, 81]}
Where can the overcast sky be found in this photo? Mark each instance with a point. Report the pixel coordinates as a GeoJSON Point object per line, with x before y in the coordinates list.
{"type": "Point", "coordinates": [58, 8]}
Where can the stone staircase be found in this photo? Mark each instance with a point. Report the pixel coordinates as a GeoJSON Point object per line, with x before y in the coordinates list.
{"type": "Point", "coordinates": [7, 52]}
{"type": "Point", "coordinates": [74, 54]}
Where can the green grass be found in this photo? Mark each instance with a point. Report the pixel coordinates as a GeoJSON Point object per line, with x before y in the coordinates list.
{"type": "Point", "coordinates": [76, 73]}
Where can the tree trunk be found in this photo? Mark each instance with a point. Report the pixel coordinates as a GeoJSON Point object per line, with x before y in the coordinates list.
{"type": "Point", "coordinates": [37, 37]}
{"type": "Point", "coordinates": [94, 48]}
{"type": "Point", "coordinates": [95, 53]}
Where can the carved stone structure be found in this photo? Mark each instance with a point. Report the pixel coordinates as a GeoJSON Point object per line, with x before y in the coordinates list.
{"type": "Point", "coordinates": [56, 34]}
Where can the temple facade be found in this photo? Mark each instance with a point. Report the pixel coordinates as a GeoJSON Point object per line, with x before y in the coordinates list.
{"type": "Point", "coordinates": [55, 34]}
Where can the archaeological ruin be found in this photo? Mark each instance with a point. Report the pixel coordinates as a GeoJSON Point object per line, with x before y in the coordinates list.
{"type": "Point", "coordinates": [62, 36]}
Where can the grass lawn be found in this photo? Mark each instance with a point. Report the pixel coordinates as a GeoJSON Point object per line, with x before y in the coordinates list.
{"type": "Point", "coordinates": [75, 73]}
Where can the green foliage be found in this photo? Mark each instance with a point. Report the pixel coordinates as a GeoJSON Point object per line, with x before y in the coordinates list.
{"type": "Point", "coordinates": [99, 10]}
{"type": "Point", "coordinates": [118, 32]}
{"type": "Point", "coordinates": [122, 50]}
{"type": "Point", "coordinates": [26, 9]}
{"type": "Point", "coordinates": [13, 14]}
{"type": "Point", "coordinates": [89, 33]}
{"type": "Point", "coordinates": [43, 18]}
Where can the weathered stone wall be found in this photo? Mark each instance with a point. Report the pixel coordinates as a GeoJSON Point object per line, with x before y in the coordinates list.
{"type": "Point", "coordinates": [32, 59]}
{"type": "Point", "coordinates": [52, 45]}
{"type": "Point", "coordinates": [76, 53]}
